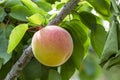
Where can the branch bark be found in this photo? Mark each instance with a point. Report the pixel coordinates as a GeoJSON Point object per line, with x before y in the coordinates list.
{"type": "Point", "coordinates": [27, 54]}
{"type": "Point", "coordinates": [63, 12]}
{"type": "Point", "coordinates": [20, 64]}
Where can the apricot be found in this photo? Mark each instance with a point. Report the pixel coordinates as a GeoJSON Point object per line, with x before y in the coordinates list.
{"type": "Point", "coordinates": [52, 45]}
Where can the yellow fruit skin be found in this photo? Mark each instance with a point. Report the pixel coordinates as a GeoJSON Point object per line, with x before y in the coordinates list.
{"type": "Point", "coordinates": [52, 45]}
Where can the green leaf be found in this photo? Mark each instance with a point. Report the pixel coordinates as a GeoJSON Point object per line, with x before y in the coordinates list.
{"type": "Point", "coordinates": [111, 44]}
{"type": "Point", "coordinates": [1, 62]}
{"type": "Point", "coordinates": [2, 14]}
{"type": "Point", "coordinates": [16, 36]}
{"type": "Point", "coordinates": [78, 53]}
{"type": "Point", "coordinates": [79, 29]}
{"type": "Point", "coordinates": [43, 5]}
{"type": "Point", "coordinates": [54, 75]}
{"type": "Point", "coordinates": [36, 19]}
{"type": "Point", "coordinates": [5, 69]}
{"type": "Point", "coordinates": [11, 3]}
{"type": "Point", "coordinates": [33, 7]}
{"type": "Point", "coordinates": [88, 19]}
{"type": "Point", "coordinates": [83, 34]}
{"type": "Point", "coordinates": [38, 71]}
{"type": "Point", "coordinates": [90, 70]}
{"type": "Point", "coordinates": [64, 0]}
{"type": "Point", "coordinates": [114, 72]}
{"type": "Point", "coordinates": [98, 39]}
{"type": "Point", "coordinates": [3, 44]}
{"type": "Point", "coordinates": [113, 61]}
{"type": "Point", "coordinates": [58, 5]}
{"type": "Point", "coordinates": [86, 46]}
{"type": "Point", "coordinates": [101, 6]}
{"type": "Point", "coordinates": [84, 6]}
{"type": "Point", "coordinates": [51, 1]}
{"type": "Point", "coordinates": [67, 70]}
{"type": "Point", "coordinates": [8, 30]}
{"type": "Point", "coordinates": [19, 12]}
{"type": "Point", "coordinates": [79, 37]}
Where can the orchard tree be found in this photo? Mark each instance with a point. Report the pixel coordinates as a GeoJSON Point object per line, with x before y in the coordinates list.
{"type": "Point", "coordinates": [59, 39]}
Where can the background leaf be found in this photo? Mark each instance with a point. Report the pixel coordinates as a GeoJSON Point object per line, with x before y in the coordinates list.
{"type": "Point", "coordinates": [8, 30]}
{"type": "Point", "coordinates": [54, 75]}
{"type": "Point", "coordinates": [1, 63]}
{"type": "Point", "coordinates": [43, 5]}
{"type": "Point", "coordinates": [67, 70]}
{"type": "Point", "coordinates": [39, 72]}
{"type": "Point", "coordinates": [90, 69]}
{"type": "Point", "coordinates": [84, 6]}
{"type": "Point", "coordinates": [111, 44]}
{"type": "Point", "coordinates": [51, 1]}
{"type": "Point", "coordinates": [16, 35]}
{"type": "Point", "coordinates": [98, 39]}
{"type": "Point", "coordinates": [2, 14]}
{"type": "Point", "coordinates": [101, 6]}
{"type": "Point", "coordinates": [19, 12]}
{"type": "Point", "coordinates": [11, 3]}
{"type": "Point", "coordinates": [88, 19]}
{"type": "Point", "coordinates": [33, 7]}
{"type": "Point", "coordinates": [3, 44]}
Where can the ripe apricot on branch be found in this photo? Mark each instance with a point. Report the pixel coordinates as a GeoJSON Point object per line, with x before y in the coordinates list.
{"type": "Point", "coordinates": [52, 45]}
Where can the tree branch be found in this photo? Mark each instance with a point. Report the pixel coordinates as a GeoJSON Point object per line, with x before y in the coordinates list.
{"type": "Point", "coordinates": [27, 54]}
{"type": "Point", "coordinates": [63, 12]}
{"type": "Point", "coordinates": [20, 64]}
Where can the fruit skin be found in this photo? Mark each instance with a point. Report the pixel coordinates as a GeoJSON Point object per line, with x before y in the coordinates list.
{"type": "Point", "coordinates": [52, 45]}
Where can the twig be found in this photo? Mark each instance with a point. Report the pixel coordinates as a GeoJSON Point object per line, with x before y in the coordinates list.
{"type": "Point", "coordinates": [27, 54]}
